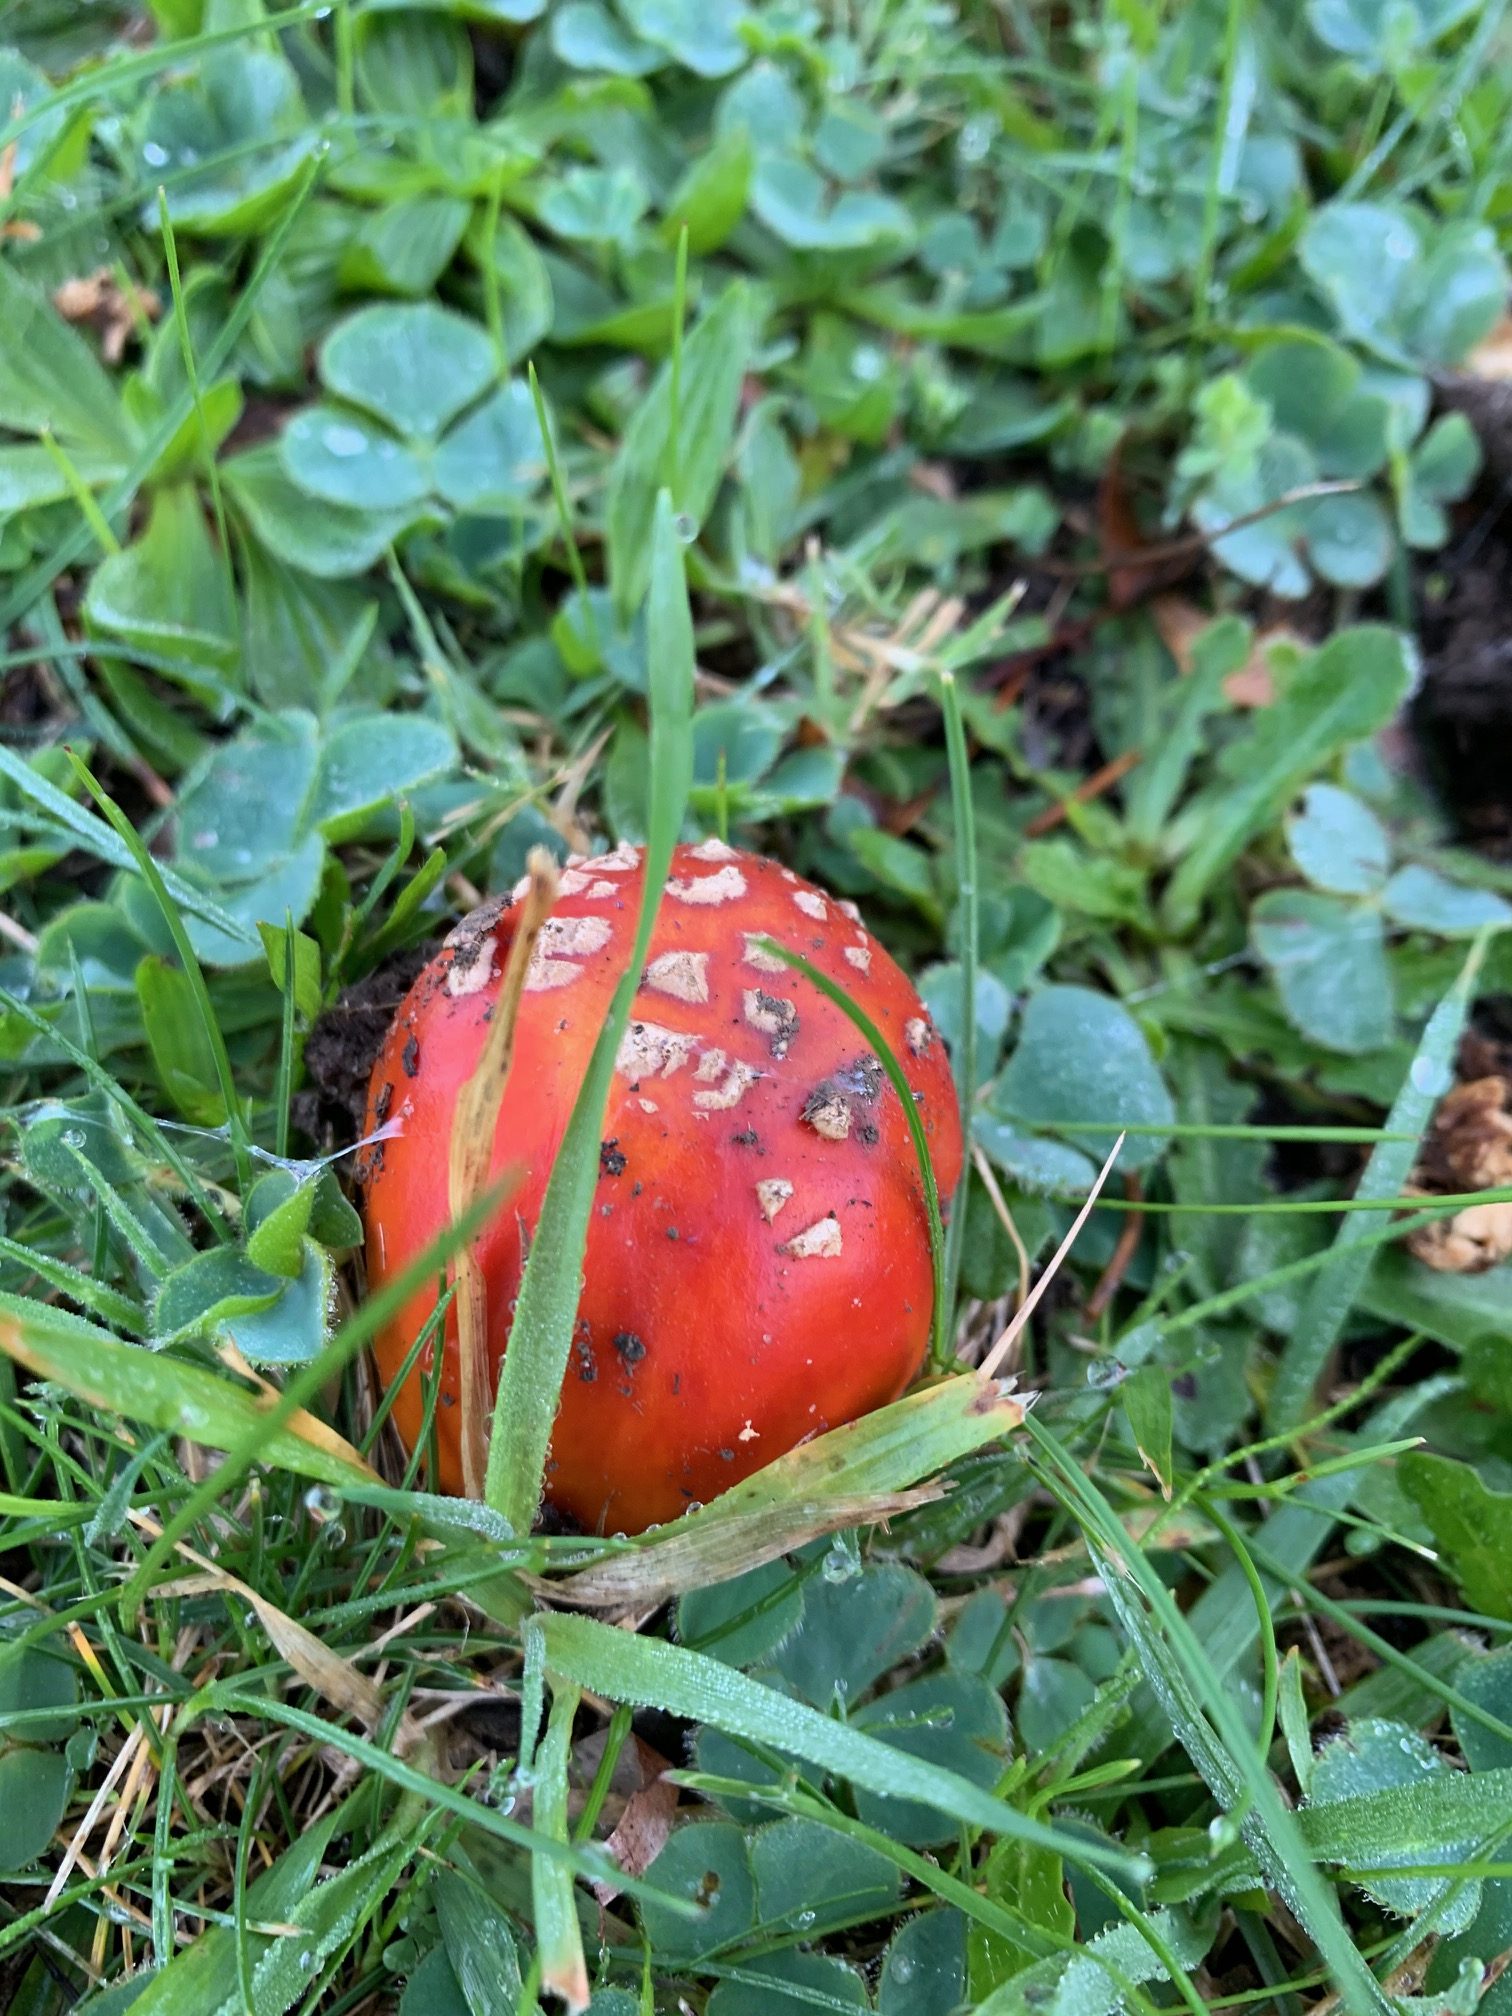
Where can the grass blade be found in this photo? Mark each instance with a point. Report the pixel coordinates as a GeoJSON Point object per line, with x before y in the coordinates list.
{"type": "Point", "coordinates": [100, 840]}
{"type": "Point", "coordinates": [1207, 1722]}
{"type": "Point", "coordinates": [475, 1121]}
{"type": "Point", "coordinates": [648, 1672]}
{"type": "Point", "coordinates": [170, 1395]}
{"type": "Point", "coordinates": [530, 1381]}
{"type": "Point", "coordinates": [939, 1349]}
{"type": "Point", "coordinates": [1333, 1294]}
{"type": "Point", "coordinates": [963, 818]}
{"type": "Point", "coordinates": [564, 1972]}
{"type": "Point", "coordinates": [850, 1476]}
{"type": "Point", "coordinates": [150, 873]}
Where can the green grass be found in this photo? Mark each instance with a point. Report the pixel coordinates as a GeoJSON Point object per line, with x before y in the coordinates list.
{"type": "Point", "coordinates": [566, 424]}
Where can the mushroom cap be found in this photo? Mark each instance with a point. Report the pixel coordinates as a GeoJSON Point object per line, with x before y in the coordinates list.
{"type": "Point", "coordinates": [758, 1265]}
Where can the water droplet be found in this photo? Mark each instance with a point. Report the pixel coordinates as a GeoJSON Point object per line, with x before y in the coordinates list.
{"type": "Point", "coordinates": [1430, 1077]}
{"type": "Point", "coordinates": [868, 363]}
{"type": "Point", "coordinates": [685, 527]}
{"type": "Point", "coordinates": [1105, 1373]}
{"type": "Point", "coordinates": [154, 155]}
{"type": "Point", "coordinates": [902, 1968]}
{"type": "Point", "coordinates": [975, 140]}
{"type": "Point", "coordinates": [841, 1563]}
{"type": "Point", "coordinates": [803, 1919]}
{"type": "Point", "coordinates": [207, 837]}
{"type": "Point", "coordinates": [74, 1137]}
{"type": "Point", "coordinates": [343, 441]}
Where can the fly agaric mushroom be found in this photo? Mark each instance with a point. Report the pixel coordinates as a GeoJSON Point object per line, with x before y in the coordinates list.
{"type": "Point", "coordinates": [758, 1260]}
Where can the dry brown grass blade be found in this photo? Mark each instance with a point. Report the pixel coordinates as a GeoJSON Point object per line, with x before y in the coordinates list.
{"type": "Point", "coordinates": [472, 1134]}
{"type": "Point", "coordinates": [645, 1580]}
{"type": "Point", "coordinates": [333, 1678]}
{"type": "Point", "coordinates": [994, 1191]}
{"type": "Point", "coordinates": [307, 1426]}
{"type": "Point", "coordinates": [1005, 1343]}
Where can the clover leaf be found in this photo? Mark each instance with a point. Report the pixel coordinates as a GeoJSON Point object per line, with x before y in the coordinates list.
{"type": "Point", "coordinates": [1401, 286]}
{"type": "Point", "coordinates": [409, 421]}
{"type": "Point", "coordinates": [256, 817]}
{"type": "Point", "coordinates": [1328, 960]}
{"type": "Point", "coordinates": [228, 143]}
{"type": "Point", "coordinates": [37, 1696]}
{"type": "Point", "coordinates": [1303, 412]}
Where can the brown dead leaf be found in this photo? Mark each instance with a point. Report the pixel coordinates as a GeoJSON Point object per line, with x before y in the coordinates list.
{"type": "Point", "coordinates": [643, 1827]}
{"type": "Point", "coordinates": [935, 479]}
{"type": "Point", "coordinates": [1468, 1146]}
{"type": "Point", "coordinates": [1469, 1141]}
{"type": "Point", "coordinates": [1181, 622]}
{"type": "Point", "coordinates": [647, 1578]}
{"type": "Point", "coordinates": [1122, 535]}
{"type": "Point", "coordinates": [1492, 358]}
{"type": "Point", "coordinates": [99, 299]}
{"type": "Point", "coordinates": [1473, 1240]}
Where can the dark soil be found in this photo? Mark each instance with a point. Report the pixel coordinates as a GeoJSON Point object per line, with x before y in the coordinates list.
{"type": "Point", "coordinates": [1464, 711]}
{"type": "Point", "coordinates": [332, 1108]}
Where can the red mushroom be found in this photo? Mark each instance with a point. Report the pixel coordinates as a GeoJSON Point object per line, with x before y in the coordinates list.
{"type": "Point", "coordinates": [758, 1261]}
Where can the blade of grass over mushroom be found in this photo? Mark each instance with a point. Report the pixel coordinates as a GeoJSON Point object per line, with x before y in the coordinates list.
{"type": "Point", "coordinates": [564, 1971]}
{"type": "Point", "coordinates": [963, 818]}
{"type": "Point", "coordinates": [474, 1124]}
{"type": "Point", "coordinates": [303, 1389]}
{"type": "Point", "coordinates": [648, 1672]}
{"type": "Point", "coordinates": [939, 1349]}
{"type": "Point", "coordinates": [1206, 1720]}
{"type": "Point", "coordinates": [850, 1476]}
{"type": "Point", "coordinates": [530, 1380]}
{"type": "Point", "coordinates": [1321, 1321]}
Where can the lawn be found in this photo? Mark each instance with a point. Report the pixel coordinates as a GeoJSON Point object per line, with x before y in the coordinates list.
{"type": "Point", "coordinates": [1037, 473]}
